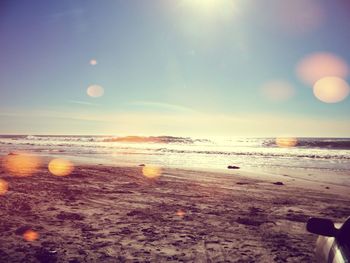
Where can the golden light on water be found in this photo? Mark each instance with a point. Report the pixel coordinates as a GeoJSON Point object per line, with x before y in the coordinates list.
{"type": "Point", "coordinates": [4, 186]}
{"type": "Point", "coordinates": [286, 142]}
{"type": "Point", "coordinates": [95, 91]}
{"type": "Point", "coordinates": [30, 235]}
{"type": "Point", "coordinates": [278, 90]}
{"type": "Point", "coordinates": [331, 89]}
{"type": "Point", "coordinates": [93, 62]}
{"type": "Point", "coordinates": [21, 164]}
{"type": "Point", "coordinates": [61, 167]}
{"type": "Point", "coordinates": [319, 65]}
{"type": "Point", "coordinates": [152, 171]}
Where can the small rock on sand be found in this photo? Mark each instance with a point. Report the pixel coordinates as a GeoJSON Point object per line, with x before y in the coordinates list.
{"type": "Point", "coordinates": [47, 256]}
{"type": "Point", "coordinates": [233, 167]}
{"type": "Point", "coordinates": [278, 183]}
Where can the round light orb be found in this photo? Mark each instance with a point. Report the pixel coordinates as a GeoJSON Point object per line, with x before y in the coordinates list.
{"type": "Point", "coordinates": [180, 213]}
{"type": "Point", "coordinates": [30, 235]}
{"type": "Point", "coordinates": [61, 167]}
{"type": "Point", "coordinates": [95, 91]}
{"type": "Point", "coordinates": [21, 165]}
{"type": "Point", "coordinates": [151, 171]}
{"type": "Point", "coordinates": [4, 186]}
{"type": "Point", "coordinates": [320, 65]}
{"type": "Point", "coordinates": [331, 89]}
{"type": "Point", "coordinates": [93, 62]}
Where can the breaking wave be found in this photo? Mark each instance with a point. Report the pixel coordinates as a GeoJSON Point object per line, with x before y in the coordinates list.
{"type": "Point", "coordinates": [319, 143]}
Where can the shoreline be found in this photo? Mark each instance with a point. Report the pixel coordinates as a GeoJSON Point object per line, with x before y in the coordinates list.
{"type": "Point", "coordinates": [257, 154]}
{"type": "Point", "coordinates": [325, 180]}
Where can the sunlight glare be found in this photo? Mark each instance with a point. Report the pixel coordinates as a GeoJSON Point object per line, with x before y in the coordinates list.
{"type": "Point", "coordinates": [211, 8]}
{"type": "Point", "coordinates": [21, 164]}
{"type": "Point", "coordinates": [61, 167]}
{"type": "Point", "coordinates": [205, 3]}
{"type": "Point", "coordinates": [4, 186]}
{"type": "Point", "coordinates": [331, 89]}
{"type": "Point", "coordinates": [286, 142]}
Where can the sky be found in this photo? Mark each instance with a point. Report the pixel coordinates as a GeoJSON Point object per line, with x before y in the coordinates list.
{"type": "Point", "coordinates": [175, 67]}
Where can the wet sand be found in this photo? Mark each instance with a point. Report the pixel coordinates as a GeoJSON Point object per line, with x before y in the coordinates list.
{"type": "Point", "coordinates": [114, 214]}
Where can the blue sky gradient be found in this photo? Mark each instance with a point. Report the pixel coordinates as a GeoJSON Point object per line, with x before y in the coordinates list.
{"type": "Point", "coordinates": [181, 67]}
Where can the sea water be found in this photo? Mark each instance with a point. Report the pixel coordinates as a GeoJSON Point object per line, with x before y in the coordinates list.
{"type": "Point", "coordinates": [186, 152]}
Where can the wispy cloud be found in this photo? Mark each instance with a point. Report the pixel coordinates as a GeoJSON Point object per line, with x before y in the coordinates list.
{"type": "Point", "coordinates": [162, 106]}
{"type": "Point", "coordinates": [52, 114]}
{"type": "Point", "coordinates": [83, 103]}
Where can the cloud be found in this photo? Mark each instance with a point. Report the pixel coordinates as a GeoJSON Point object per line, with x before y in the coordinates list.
{"type": "Point", "coordinates": [50, 114]}
{"type": "Point", "coordinates": [83, 103]}
{"type": "Point", "coordinates": [162, 106]}
{"type": "Point", "coordinates": [182, 123]}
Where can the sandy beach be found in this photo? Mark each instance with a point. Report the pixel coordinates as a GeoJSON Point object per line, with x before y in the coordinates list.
{"type": "Point", "coordinates": [102, 213]}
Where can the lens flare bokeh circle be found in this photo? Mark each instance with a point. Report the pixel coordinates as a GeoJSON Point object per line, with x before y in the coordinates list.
{"type": "Point", "coordinates": [319, 65]}
{"type": "Point", "coordinates": [4, 186]}
{"type": "Point", "coordinates": [95, 91]}
{"type": "Point", "coordinates": [30, 235]}
{"type": "Point", "coordinates": [21, 164]}
{"type": "Point", "coordinates": [331, 89]}
{"type": "Point", "coordinates": [61, 167]}
{"type": "Point", "coordinates": [152, 171]}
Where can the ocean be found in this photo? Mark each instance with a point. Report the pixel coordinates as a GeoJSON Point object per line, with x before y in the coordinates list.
{"type": "Point", "coordinates": [187, 152]}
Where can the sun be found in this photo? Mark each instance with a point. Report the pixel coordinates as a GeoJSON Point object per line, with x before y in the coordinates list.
{"type": "Point", "coordinates": [205, 3]}
{"type": "Point", "coordinates": [210, 7]}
